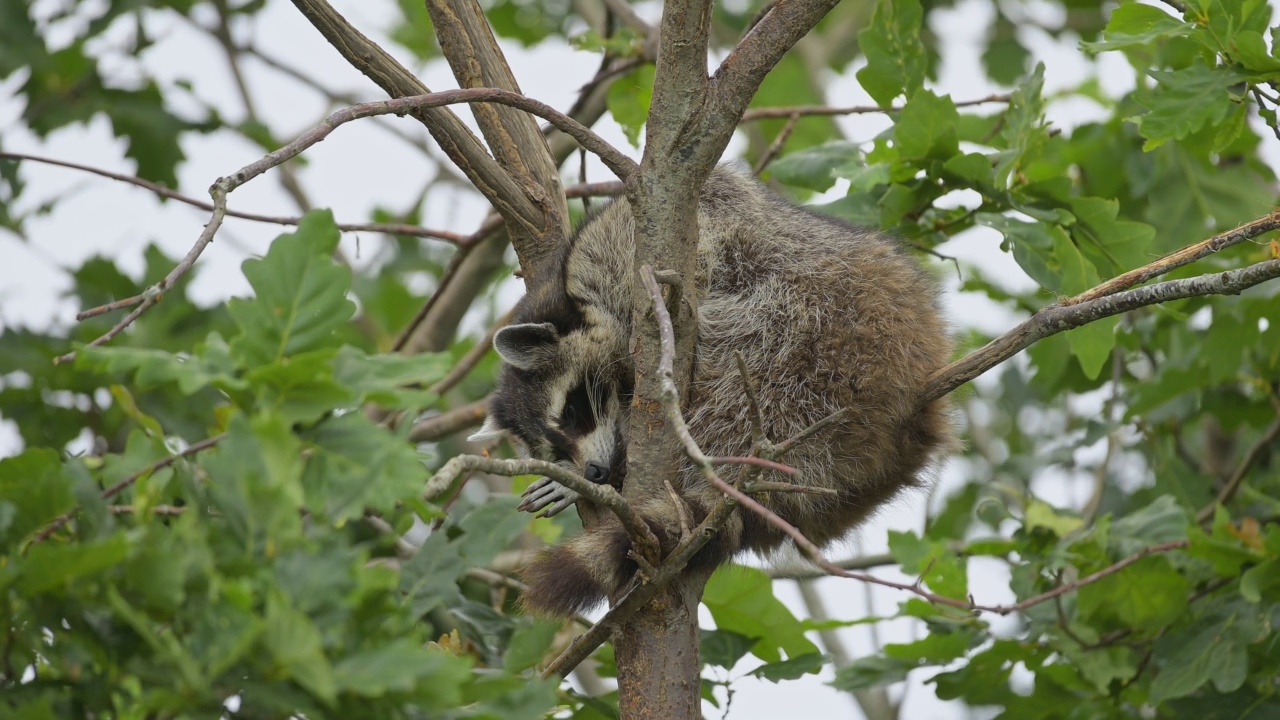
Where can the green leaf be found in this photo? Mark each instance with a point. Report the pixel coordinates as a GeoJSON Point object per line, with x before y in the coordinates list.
{"type": "Point", "coordinates": [1092, 343]}
{"type": "Point", "coordinates": [528, 644]}
{"type": "Point", "coordinates": [1032, 244]}
{"type": "Point", "coordinates": [400, 666]}
{"type": "Point", "coordinates": [1251, 51]}
{"type": "Point", "coordinates": [896, 59]}
{"type": "Point", "coordinates": [385, 379]}
{"type": "Point", "coordinates": [937, 648]}
{"type": "Point", "coordinates": [1160, 521]}
{"type": "Point", "coordinates": [741, 600]}
{"type": "Point", "coordinates": [926, 127]}
{"type": "Point", "coordinates": [792, 669]}
{"type": "Point", "coordinates": [1123, 243]}
{"type": "Point", "coordinates": [813, 168]}
{"type": "Point", "coordinates": [209, 365]}
{"type": "Point", "coordinates": [34, 489]}
{"type": "Point", "coordinates": [293, 642]}
{"type": "Point", "coordinates": [301, 295]}
{"type": "Point", "coordinates": [937, 564]}
{"type": "Point", "coordinates": [1262, 580]}
{"type": "Point", "coordinates": [1145, 596]}
{"type": "Point", "coordinates": [1138, 24]}
{"type": "Point", "coordinates": [724, 648]}
{"type": "Point", "coordinates": [871, 672]}
{"type": "Point", "coordinates": [1217, 653]}
{"type": "Point", "coordinates": [357, 464]}
{"type": "Point", "coordinates": [1186, 101]}
{"type": "Point", "coordinates": [50, 567]}
{"type": "Point", "coordinates": [1005, 58]}
{"type": "Point", "coordinates": [628, 101]}
{"type": "Point", "coordinates": [1024, 131]}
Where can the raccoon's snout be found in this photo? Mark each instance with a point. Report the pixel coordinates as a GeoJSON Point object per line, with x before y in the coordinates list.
{"type": "Point", "coordinates": [597, 473]}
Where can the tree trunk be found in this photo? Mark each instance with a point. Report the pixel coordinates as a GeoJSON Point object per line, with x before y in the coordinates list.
{"type": "Point", "coordinates": [659, 677]}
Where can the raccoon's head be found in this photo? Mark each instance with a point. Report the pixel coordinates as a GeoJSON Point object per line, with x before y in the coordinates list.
{"type": "Point", "coordinates": [565, 388]}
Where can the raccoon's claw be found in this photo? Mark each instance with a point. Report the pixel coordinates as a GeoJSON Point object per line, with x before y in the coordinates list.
{"type": "Point", "coordinates": [549, 494]}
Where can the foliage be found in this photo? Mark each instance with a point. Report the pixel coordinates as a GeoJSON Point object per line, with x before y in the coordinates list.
{"type": "Point", "coordinates": [147, 575]}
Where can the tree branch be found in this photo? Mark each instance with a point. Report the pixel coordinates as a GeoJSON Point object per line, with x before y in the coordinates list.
{"type": "Point", "coordinates": [619, 163]}
{"type": "Point", "coordinates": [389, 228]}
{"type": "Point", "coordinates": [602, 495]}
{"type": "Point", "coordinates": [779, 113]}
{"type": "Point", "coordinates": [1238, 475]}
{"type": "Point", "coordinates": [736, 80]}
{"type": "Point", "coordinates": [1060, 317]}
{"type": "Point", "coordinates": [513, 137]}
{"type": "Point", "coordinates": [457, 141]}
{"type": "Point", "coordinates": [115, 489]}
{"type": "Point", "coordinates": [1177, 259]}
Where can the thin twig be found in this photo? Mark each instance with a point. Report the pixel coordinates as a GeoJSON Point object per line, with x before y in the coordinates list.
{"type": "Point", "coordinates": [604, 495]}
{"type": "Point", "coordinates": [775, 147]}
{"type": "Point", "coordinates": [758, 437]}
{"type": "Point", "coordinates": [155, 293]}
{"type": "Point", "coordinates": [764, 486]}
{"type": "Point", "coordinates": [758, 462]}
{"type": "Point", "coordinates": [115, 489]}
{"type": "Point", "coordinates": [468, 362]}
{"type": "Point", "coordinates": [449, 422]}
{"type": "Point", "coordinates": [165, 510]}
{"type": "Point", "coordinates": [404, 548]}
{"type": "Point", "coordinates": [1251, 458]}
{"type": "Point", "coordinates": [777, 113]}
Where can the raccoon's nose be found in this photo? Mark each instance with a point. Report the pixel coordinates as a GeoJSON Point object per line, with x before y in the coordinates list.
{"type": "Point", "coordinates": [597, 473]}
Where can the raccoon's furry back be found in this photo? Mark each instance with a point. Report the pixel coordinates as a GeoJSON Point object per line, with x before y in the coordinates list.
{"type": "Point", "coordinates": [827, 317]}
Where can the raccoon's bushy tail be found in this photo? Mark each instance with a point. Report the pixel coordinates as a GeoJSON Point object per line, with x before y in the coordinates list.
{"type": "Point", "coordinates": [586, 570]}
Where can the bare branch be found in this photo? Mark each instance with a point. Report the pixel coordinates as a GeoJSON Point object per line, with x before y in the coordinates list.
{"type": "Point", "coordinates": [775, 147]}
{"type": "Point", "coordinates": [736, 80]}
{"type": "Point", "coordinates": [778, 113]}
{"type": "Point", "coordinates": [595, 189]}
{"type": "Point", "coordinates": [468, 362]}
{"type": "Point", "coordinates": [628, 16]}
{"type": "Point", "coordinates": [457, 141]}
{"type": "Point", "coordinates": [115, 489]}
{"type": "Point", "coordinates": [450, 422]}
{"type": "Point", "coordinates": [155, 293]}
{"type": "Point", "coordinates": [162, 191]}
{"type": "Point", "coordinates": [756, 461]}
{"type": "Point", "coordinates": [514, 138]}
{"type": "Point", "coordinates": [1177, 259]}
{"type": "Point", "coordinates": [618, 162]}
{"type": "Point", "coordinates": [1059, 317]}
{"type": "Point", "coordinates": [602, 495]}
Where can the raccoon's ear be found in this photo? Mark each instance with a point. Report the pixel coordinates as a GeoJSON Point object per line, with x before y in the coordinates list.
{"type": "Point", "coordinates": [488, 431]}
{"type": "Point", "coordinates": [527, 345]}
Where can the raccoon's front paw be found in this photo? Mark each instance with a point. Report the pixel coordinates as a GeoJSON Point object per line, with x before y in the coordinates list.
{"type": "Point", "coordinates": [549, 494]}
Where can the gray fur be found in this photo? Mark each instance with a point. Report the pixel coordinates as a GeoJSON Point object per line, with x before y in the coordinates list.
{"type": "Point", "coordinates": [826, 315]}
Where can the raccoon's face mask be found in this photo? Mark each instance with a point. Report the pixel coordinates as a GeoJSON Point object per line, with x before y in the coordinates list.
{"type": "Point", "coordinates": [559, 396]}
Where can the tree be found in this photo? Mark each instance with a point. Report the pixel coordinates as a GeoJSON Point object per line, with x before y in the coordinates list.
{"type": "Point", "coordinates": [264, 508]}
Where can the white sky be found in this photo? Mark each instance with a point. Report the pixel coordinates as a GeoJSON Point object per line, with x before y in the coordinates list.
{"type": "Point", "coordinates": [362, 166]}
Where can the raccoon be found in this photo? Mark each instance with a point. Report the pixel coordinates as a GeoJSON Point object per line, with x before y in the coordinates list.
{"type": "Point", "coordinates": [826, 315]}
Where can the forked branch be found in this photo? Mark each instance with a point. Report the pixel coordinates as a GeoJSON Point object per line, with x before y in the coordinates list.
{"type": "Point", "coordinates": [623, 166]}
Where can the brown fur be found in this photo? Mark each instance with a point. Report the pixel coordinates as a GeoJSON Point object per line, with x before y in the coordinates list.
{"type": "Point", "coordinates": [827, 316]}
